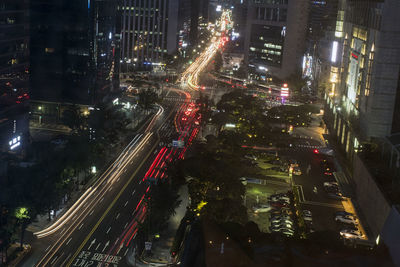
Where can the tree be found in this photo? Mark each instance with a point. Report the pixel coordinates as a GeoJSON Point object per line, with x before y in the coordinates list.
{"type": "Point", "coordinates": [23, 217]}
{"type": "Point", "coordinates": [147, 98]}
{"type": "Point", "coordinates": [218, 61]}
{"type": "Point", "coordinates": [73, 118]}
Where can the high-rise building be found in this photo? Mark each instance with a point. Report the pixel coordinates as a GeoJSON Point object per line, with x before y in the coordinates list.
{"type": "Point", "coordinates": [149, 32]}
{"type": "Point", "coordinates": [73, 54]}
{"type": "Point", "coordinates": [275, 35]}
{"type": "Point", "coordinates": [363, 98]}
{"type": "Point", "coordinates": [14, 68]}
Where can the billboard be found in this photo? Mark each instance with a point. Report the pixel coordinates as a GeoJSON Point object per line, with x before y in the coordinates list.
{"type": "Point", "coordinates": [354, 70]}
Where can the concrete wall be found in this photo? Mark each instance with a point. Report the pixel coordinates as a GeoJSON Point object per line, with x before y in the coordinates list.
{"type": "Point", "coordinates": [369, 197]}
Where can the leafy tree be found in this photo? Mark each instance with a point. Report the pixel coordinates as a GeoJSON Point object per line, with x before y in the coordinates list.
{"type": "Point", "coordinates": [218, 61]}
{"type": "Point", "coordinates": [23, 217]}
{"type": "Point", "coordinates": [73, 118]}
{"type": "Point", "coordinates": [147, 98]}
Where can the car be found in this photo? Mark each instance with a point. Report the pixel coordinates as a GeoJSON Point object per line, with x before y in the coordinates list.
{"type": "Point", "coordinates": [346, 219]}
{"type": "Point", "coordinates": [287, 232]}
{"type": "Point", "coordinates": [279, 228]}
{"type": "Point", "coordinates": [184, 118]}
{"type": "Point", "coordinates": [282, 199]}
{"type": "Point", "coordinates": [296, 171]}
{"type": "Point", "coordinates": [336, 195]}
{"type": "Point", "coordinates": [243, 180]}
{"type": "Point", "coordinates": [262, 208]}
{"type": "Point", "coordinates": [250, 156]}
{"type": "Point", "coordinates": [346, 233]}
{"type": "Point", "coordinates": [344, 213]}
{"type": "Point", "coordinates": [282, 219]}
{"type": "Point", "coordinates": [331, 184]}
{"type": "Point", "coordinates": [278, 204]}
{"type": "Point", "coordinates": [196, 122]}
{"type": "Point", "coordinates": [307, 213]}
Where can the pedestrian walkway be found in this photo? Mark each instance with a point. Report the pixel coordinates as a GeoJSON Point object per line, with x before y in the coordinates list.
{"type": "Point", "coordinates": [160, 250]}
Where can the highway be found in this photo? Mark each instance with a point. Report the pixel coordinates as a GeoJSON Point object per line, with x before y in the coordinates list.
{"type": "Point", "coordinates": [99, 229]}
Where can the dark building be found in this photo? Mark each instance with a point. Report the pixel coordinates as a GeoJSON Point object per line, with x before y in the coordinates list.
{"type": "Point", "coordinates": [149, 32]}
{"type": "Point", "coordinates": [14, 69]}
{"type": "Point", "coordinates": [74, 54]}
{"type": "Point", "coordinates": [275, 35]}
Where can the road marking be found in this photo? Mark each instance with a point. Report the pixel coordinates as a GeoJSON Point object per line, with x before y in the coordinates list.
{"type": "Point", "coordinates": [52, 262]}
{"type": "Point", "coordinates": [92, 243]}
{"type": "Point", "coordinates": [91, 212]}
{"type": "Point", "coordinates": [62, 231]}
{"type": "Point", "coordinates": [126, 251]}
{"type": "Point", "coordinates": [68, 241]}
{"type": "Point", "coordinates": [80, 226]}
{"type": "Point", "coordinates": [69, 255]}
{"type": "Point", "coordinates": [133, 192]}
{"type": "Point", "coordinates": [116, 217]}
{"type": "Point", "coordinates": [110, 188]}
{"type": "Point", "coordinates": [120, 247]}
{"type": "Point", "coordinates": [106, 245]}
{"type": "Point", "coordinates": [98, 245]}
{"type": "Point", "coordinates": [323, 204]}
{"type": "Point", "coordinates": [125, 225]}
{"type": "Point", "coordinates": [110, 206]}
{"type": "Point", "coordinates": [140, 181]}
{"type": "Point", "coordinates": [126, 203]}
{"type": "Point", "coordinates": [116, 241]}
{"type": "Point", "coordinates": [48, 248]}
{"type": "Point", "coordinates": [108, 230]}
{"type": "Point", "coordinates": [101, 200]}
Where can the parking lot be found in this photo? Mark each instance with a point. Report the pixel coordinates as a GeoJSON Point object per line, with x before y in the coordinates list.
{"type": "Point", "coordinates": [323, 201]}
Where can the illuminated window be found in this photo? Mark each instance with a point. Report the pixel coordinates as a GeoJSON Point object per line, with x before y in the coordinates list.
{"type": "Point", "coordinates": [49, 50]}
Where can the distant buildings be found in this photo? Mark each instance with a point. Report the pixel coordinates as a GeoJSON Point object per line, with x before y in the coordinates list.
{"type": "Point", "coordinates": [74, 54]}
{"type": "Point", "coordinates": [275, 35]}
{"type": "Point", "coordinates": [149, 32]}
{"type": "Point", "coordinates": [14, 69]}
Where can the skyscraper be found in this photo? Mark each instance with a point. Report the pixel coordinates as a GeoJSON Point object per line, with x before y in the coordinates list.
{"type": "Point", "coordinates": [149, 31]}
{"type": "Point", "coordinates": [73, 54]}
{"type": "Point", "coordinates": [363, 99]}
{"type": "Point", "coordinates": [14, 69]}
{"type": "Point", "coordinates": [275, 35]}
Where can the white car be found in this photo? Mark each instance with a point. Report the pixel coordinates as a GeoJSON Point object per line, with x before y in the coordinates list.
{"type": "Point", "coordinates": [307, 218]}
{"type": "Point", "coordinates": [262, 208]}
{"type": "Point", "coordinates": [307, 213]}
{"type": "Point", "coordinates": [350, 234]}
{"type": "Point", "coordinates": [296, 171]}
{"type": "Point", "coordinates": [346, 219]}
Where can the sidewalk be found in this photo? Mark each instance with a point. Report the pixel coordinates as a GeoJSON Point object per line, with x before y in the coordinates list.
{"type": "Point", "coordinates": [160, 251]}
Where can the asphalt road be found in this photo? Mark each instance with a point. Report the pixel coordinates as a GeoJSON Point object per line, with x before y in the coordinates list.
{"type": "Point", "coordinates": [104, 226]}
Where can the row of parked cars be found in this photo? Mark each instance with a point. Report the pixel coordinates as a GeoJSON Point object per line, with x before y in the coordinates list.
{"type": "Point", "coordinates": [281, 217]}
{"type": "Point", "coordinates": [350, 222]}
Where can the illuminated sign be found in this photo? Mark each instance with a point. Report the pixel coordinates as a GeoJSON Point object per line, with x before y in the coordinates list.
{"type": "Point", "coordinates": [354, 69]}
{"type": "Point", "coordinates": [334, 51]}
{"type": "Point", "coordinates": [15, 142]}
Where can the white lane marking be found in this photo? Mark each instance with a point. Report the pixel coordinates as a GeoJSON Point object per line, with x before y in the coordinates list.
{"type": "Point", "coordinates": [106, 245]}
{"type": "Point", "coordinates": [126, 203]}
{"type": "Point", "coordinates": [101, 200]}
{"type": "Point", "coordinates": [91, 212]}
{"type": "Point", "coordinates": [116, 241]}
{"type": "Point", "coordinates": [48, 248]}
{"type": "Point", "coordinates": [120, 247]}
{"type": "Point", "coordinates": [125, 170]}
{"type": "Point", "coordinates": [62, 231]}
{"type": "Point", "coordinates": [118, 179]}
{"type": "Point", "coordinates": [110, 188]}
{"type": "Point", "coordinates": [108, 230]}
{"type": "Point", "coordinates": [98, 245]}
{"type": "Point", "coordinates": [80, 227]}
{"type": "Point", "coordinates": [92, 243]}
{"type": "Point", "coordinates": [126, 251]}
{"type": "Point", "coordinates": [133, 192]}
{"type": "Point", "coordinates": [125, 225]}
{"type": "Point", "coordinates": [140, 181]}
{"type": "Point", "coordinates": [52, 262]}
{"type": "Point", "coordinates": [69, 241]}
{"type": "Point", "coordinates": [69, 255]}
{"type": "Point", "coordinates": [116, 217]}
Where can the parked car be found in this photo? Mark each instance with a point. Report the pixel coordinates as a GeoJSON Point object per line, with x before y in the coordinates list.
{"type": "Point", "coordinates": [278, 204]}
{"type": "Point", "coordinates": [346, 233]}
{"type": "Point", "coordinates": [343, 213]}
{"type": "Point", "coordinates": [336, 195]}
{"type": "Point", "coordinates": [307, 213]}
{"type": "Point", "coordinates": [307, 218]}
{"type": "Point", "coordinates": [296, 171]}
{"type": "Point", "coordinates": [250, 156]}
{"type": "Point", "coordinates": [346, 219]}
{"type": "Point", "coordinates": [243, 180]}
{"type": "Point", "coordinates": [331, 184]}
{"type": "Point", "coordinates": [262, 208]}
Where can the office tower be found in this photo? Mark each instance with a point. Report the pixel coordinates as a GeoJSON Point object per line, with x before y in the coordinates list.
{"type": "Point", "coordinates": [73, 54]}
{"type": "Point", "coordinates": [14, 69]}
{"type": "Point", "coordinates": [363, 99]}
{"type": "Point", "coordinates": [275, 35]}
{"type": "Point", "coordinates": [149, 32]}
